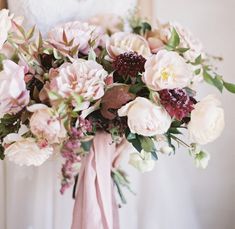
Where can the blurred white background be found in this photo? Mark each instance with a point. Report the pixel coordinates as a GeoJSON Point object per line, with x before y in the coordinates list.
{"type": "Point", "coordinates": [195, 199]}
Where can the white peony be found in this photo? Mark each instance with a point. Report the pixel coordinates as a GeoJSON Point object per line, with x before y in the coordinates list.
{"type": "Point", "coordinates": [207, 121]}
{"type": "Point", "coordinates": [142, 161]}
{"type": "Point", "coordinates": [167, 70]}
{"type": "Point", "coordinates": [46, 125]}
{"type": "Point", "coordinates": [5, 26]}
{"type": "Point", "coordinates": [145, 118]}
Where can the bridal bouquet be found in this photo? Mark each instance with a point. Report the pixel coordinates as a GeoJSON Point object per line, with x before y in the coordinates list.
{"type": "Point", "coordinates": [133, 81]}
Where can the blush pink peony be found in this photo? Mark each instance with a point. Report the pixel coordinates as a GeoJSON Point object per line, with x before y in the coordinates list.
{"type": "Point", "coordinates": [13, 93]}
{"type": "Point", "coordinates": [83, 78]}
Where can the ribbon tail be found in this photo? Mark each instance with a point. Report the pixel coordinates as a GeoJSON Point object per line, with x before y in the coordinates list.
{"type": "Point", "coordinates": [95, 205]}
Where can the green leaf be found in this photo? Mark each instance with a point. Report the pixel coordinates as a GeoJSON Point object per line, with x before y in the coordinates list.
{"type": "Point", "coordinates": [218, 83]}
{"type": "Point", "coordinates": [208, 78]}
{"type": "Point", "coordinates": [197, 72]}
{"type": "Point", "coordinates": [86, 145]}
{"type": "Point", "coordinates": [174, 40]}
{"type": "Point", "coordinates": [147, 144]}
{"type": "Point", "coordinates": [174, 131]}
{"type": "Point", "coordinates": [154, 155]}
{"type": "Point", "coordinates": [176, 124]}
{"type": "Point", "coordinates": [131, 136]}
{"type": "Point", "coordinates": [229, 86]}
{"type": "Point", "coordinates": [182, 50]}
{"type": "Point", "coordinates": [2, 156]}
{"type": "Point", "coordinates": [134, 89]}
{"type": "Point", "coordinates": [53, 95]}
{"type": "Point", "coordinates": [198, 60]}
{"type": "Point", "coordinates": [146, 27]}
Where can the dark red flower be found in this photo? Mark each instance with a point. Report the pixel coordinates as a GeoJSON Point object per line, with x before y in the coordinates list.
{"type": "Point", "coordinates": [177, 102]}
{"type": "Point", "coordinates": [129, 64]}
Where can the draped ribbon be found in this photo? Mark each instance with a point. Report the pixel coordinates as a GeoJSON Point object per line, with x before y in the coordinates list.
{"type": "Point", "coordinates": [95, 205]}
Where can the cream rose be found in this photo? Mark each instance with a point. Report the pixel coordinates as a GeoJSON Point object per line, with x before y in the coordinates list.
{"type": "Point", "coordinates": [142, 161]}
{"type": "Point", "coordinates": [13, 94]}
{"type": "Point", "coordinates": [207, 121]}
{"type": "Point", "coordinates": [84, 78]}
{"type": "Point", "coordinates": [145, 118]}
{"type": "Point", "coordinates": [81, 33]}
{"type": "Point", "coordinates": [26, 151]}
{"type": "Point", "coordinates": [167, 70]}
{"type": "Point", "coordinates": [46, 125]}
{"type": "Point", "coordinates": [122, 42]}
{"type": "Point", "coordinates": [5, 26]}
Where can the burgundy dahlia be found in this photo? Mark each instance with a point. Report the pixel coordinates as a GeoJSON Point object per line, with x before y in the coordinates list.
{"type": "Point", "coordinates": [177, 102]}
{"type": "Point", "coordinates": [129, 64]}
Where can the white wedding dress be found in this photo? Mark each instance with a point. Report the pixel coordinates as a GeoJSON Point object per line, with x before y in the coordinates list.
{"type": "Point", "coordinates": [29, 196]}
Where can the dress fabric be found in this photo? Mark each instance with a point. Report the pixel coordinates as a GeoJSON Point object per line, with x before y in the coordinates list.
{"type": "Point", "coordinates": [29, 196]}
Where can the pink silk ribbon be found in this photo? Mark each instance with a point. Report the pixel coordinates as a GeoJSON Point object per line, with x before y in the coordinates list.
{"type": "Point", "coordinates": [95, 205]}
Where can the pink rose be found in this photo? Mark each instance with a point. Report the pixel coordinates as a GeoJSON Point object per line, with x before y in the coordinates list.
{"type": "Point", "coordinates": [122, 42]}
{"type": "Point", "coordinates": [78, 33]}
{"type": "Point", "coordinates": [44, 124]}
{"type": "Point", "coordinates": [13, 94]}
{"type": "Point", "coordinates": [83, 78]}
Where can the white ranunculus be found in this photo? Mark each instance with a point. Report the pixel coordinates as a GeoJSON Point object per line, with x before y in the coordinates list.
{"type": "Point", "coordinates": [5, 26]}
{"type": "Point", "coordinates": [207, 121]}
{"type": "Point", "coordinates": [25, 151]}
{"type": "Point", "coordinates": [167, 70]}
{"type": "Point", "coordinates": [45, 125]}
{"type": "Point", "coordinates": [145, 117]}
{"type": "Point", "coordinates": [142, 161]}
